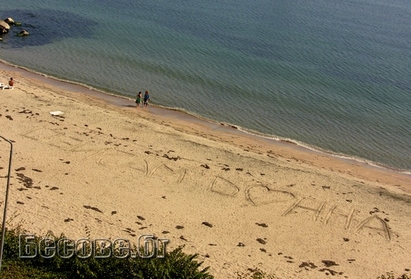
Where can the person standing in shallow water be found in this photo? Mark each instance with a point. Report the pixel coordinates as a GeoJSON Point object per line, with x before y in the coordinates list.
{"type": "Point", "coordinates": [138, 99]}
{"type": "Point", "coordinates": [146, 98]}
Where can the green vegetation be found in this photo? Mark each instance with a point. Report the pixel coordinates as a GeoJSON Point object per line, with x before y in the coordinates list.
{"type": "Point", "coordinates": [175, 264]}
{"type": "Point", "coordinates": [391, 275]}
{"type": "Point", "coordinates": [255, 274]}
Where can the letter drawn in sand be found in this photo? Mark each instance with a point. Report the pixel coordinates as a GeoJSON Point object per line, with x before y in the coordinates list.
{"type": "Point", "coordinates": [112, 158]}
{"type": "Point", "coordinates": [60, 140]}
{"type": "Point", "coordinates": [224, 187]}
{"type": "Point", "coordinates": [143, 167]}
{"type": "Point", "coordinates": [73, 144]}
{"type": "Point", "coordinates": [166, 171]}
{"type": "Point", "coordinates": [298, 204]}
{"type": "Point", "coordinates": [43, 135]}
{"type": "Point", "coordinates": [327, 217]}
{"type": "Point", "coordinates": [383, 226]}
{"type": "Point", "coordinates": [334, 212]}
{"type": "Point", "coordinates": [159, 167]}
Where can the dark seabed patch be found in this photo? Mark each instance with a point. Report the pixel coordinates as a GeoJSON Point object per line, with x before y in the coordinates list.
{"type": "Point", "coordinates": [45, 27]}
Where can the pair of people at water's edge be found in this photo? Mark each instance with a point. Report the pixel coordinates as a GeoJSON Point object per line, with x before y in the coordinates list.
{"type": "Point", "coordinates": [145, 99]}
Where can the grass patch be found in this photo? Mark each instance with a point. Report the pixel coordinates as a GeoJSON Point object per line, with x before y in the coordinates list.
{"type": "Point", "coordinates": [175, 264]}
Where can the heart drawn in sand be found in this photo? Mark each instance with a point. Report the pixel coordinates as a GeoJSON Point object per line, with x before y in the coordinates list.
{"type": "Point", "coordinates": [262, 194]}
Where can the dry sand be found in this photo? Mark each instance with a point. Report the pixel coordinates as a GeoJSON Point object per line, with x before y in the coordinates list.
{"type": "Point", "coordinates": [105, 169]}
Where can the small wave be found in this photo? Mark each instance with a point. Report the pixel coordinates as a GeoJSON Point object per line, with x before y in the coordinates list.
{"type": "Point", "coordinates": [66, 81]}
{"type": "Point", "coordinates": [190, 113]}
{"type": "Point", "coordinates": [322, 150]}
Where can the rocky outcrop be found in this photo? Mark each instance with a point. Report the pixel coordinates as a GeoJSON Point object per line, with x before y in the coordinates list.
{"type": "Point", "coordinates": [4, 27]}
{"type": "Point", "coordinates": [23, 33]}
{"type": "Point", "coordinates": [9, 21]}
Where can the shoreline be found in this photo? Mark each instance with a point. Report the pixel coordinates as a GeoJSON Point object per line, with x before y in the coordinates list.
{"type": "Point", "coordinates": [106, 169]}
{"type": "Point", "coordinates": [189, 117]}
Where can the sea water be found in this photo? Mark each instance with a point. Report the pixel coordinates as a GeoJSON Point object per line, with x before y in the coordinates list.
{"type": "Point", "coordinates": [327, 74]}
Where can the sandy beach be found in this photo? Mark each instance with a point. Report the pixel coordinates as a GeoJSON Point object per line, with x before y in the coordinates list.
{"type": "Point", "coordinates": [106, 169]}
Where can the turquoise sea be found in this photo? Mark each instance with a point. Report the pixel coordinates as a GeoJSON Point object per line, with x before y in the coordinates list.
{"type": "Point", "coordinates": [328, 74]}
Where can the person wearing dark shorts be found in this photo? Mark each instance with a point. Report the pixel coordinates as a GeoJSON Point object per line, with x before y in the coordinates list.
{"type": "Point", "coordinates": [146, 99]}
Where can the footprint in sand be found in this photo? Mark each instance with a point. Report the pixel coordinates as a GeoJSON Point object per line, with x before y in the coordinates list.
{"type": "Point", "coordinates": [92, 208]}
{"type": "Point", "coordinates": [171, 158]}
{"type": "Point", "coordinates": [207, 224]}
{"type": "Point", "coordinates": [27, 181]}
{"type": "Point", "coordinates": [264, 225]}
{"type": "Point", "coordinates": [330, 271]}
{"type": "Point", "coordinates": [129, 230]}
{"type": "Point", "coordinates": [329, 263]}
{"type": "Point", "coordinates": [262, 241]}
{"type": "Point", "coordinates": [307, 264]}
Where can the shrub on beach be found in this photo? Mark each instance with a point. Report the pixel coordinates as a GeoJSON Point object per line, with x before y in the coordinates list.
{"type": "Point", "coordinates": [175, 264]}
{"type": "Point", "coordinates": [390, 275]}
